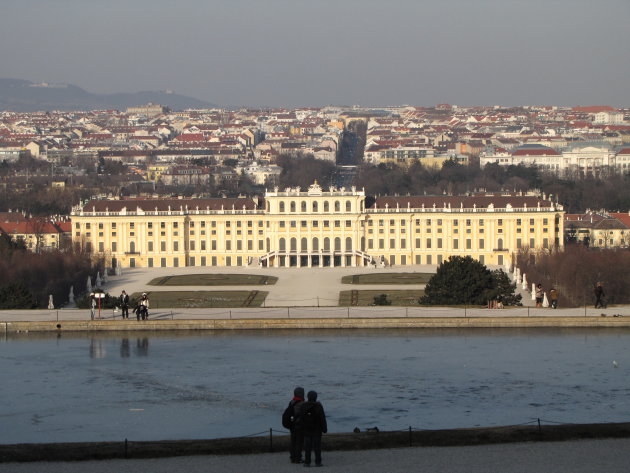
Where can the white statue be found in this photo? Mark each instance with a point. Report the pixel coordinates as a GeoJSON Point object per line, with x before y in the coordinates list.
{"type": "Point", "coordinates": [51, 305]}
{"type": "Point", "coordinates": [71, 296]}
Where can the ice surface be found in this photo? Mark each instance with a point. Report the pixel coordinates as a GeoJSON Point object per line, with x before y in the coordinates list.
{"type": "Point", "coordinates": [228, 384]}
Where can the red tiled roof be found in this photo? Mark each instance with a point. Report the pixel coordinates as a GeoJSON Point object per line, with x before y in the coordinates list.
{"type": "Point", "coordinates": [594, 109]}
{"type": "Point", "coordinates": [162, 205]}
{"type": "Point", "coordinates": [191, 137]}
{"type": "Point", "coordinates": [623, 217]}
{"type": "Point", "coordinates": [468, 202]}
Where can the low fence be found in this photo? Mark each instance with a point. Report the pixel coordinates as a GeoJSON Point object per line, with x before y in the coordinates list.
{"type": "Point", "coordinates": [273, 440]}
{"type": "Point", "coordinates": [301, 312]}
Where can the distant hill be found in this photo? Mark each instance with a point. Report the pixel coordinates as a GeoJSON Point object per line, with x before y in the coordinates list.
{"type": "Point", "coordinates": [24, 96]}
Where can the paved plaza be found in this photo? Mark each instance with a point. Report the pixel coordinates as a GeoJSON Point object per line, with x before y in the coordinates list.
{"type": "Point", "coordinates": [583, 456]}
{"type": "Point", "coordinates": [299, 293]}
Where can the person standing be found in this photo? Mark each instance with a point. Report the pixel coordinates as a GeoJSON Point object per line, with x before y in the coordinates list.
{"type": "Point", "coordinates": [143, 307]}
{"type": "Point", "coordinates": [540, 295]}
{"type": "Point", "coordinates": [312, 421]}
{"type": "Point", "coordinates": [599, 295]}
{"type": "Point", "coordinates": [92, 306]}
{"type": "Point", "coordinates": [289, 422]}
{"type": "Point", "coordinates": [124, 304]}
{"type": "Point", "coordinates": [553, 298]}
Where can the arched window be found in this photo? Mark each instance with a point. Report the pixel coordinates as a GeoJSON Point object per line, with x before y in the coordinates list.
{"type": "Point", "coordinates": [315, 244]}
{"type": "Point", "coordinates": [268, 244]}
{"type": "Point", "coordinates": [303, 206]}
{"type": "Point", "coordinates": [326, 206]}
{"type": "Point", "coordinates": [348, 206]}
{"type": "Point", "coordinates": [281, 207]}
{"type": "Point", "coordinates": [500, 244]}
{"type": "Point", "coordinates": [348, 244]}
{"type": "Point", "coordinates": [304, 244]}
{"type": "Point", "coordinates": [362, 243]}
{"type": "Point", "coordinates": [326, 244]}
{"type": "Point", "coordinates": [132, 247]}
{"type": "Point", "coordinates": [337, 206]}
{"type": "Point", "coordinates": [337, 244]}
{"type": "Point", "coordinates": [282, 245]}
{"type": "Point", "coordinates": [314, 206]}
{"type": "Point", "coordinates": [292, 206]}
{"type": "Point", "coordinates": [294, 244]}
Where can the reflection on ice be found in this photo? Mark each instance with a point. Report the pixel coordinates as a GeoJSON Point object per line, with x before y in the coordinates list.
{"type": "Point", "coordinates": [111, 386]}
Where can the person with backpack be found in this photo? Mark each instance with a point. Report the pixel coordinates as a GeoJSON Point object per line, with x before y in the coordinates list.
{"type": "Point", "coordinates": [312, 421]}
{"type": "Point", "coordinates": [289, 417]}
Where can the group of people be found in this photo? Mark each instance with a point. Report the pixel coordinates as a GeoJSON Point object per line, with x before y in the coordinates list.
{"type": "Point", "coordinates": [141, 310]}
{"type": "Point", "coordinates": [306, 421]}
{"type": "Point", "coordinates": [598, 292]}
{"type": "Point", "coordinates": [540, 297]}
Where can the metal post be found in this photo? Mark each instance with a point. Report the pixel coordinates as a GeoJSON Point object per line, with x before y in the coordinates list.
{"type": "Point", "coordinates": [230, 314]}
{"type": "Point", "coordinates": [539, 428]}
{"type": "Point", "coordinates": [406, 311]}
{"type": "Point", "coordinates": [348, 312]}
{"type": "Point", "coordinates": [271, 440]}
{"type": "Point", "coordinates": [465, 312]}
{"type": "Point", "coordinates": [57, 316]}
{"type": "Point", "coordinates": [288, 312]}
{"type": "Point", "coordinates": [171, 315]}
{"type": "Point", "coordinates": [410, 436]}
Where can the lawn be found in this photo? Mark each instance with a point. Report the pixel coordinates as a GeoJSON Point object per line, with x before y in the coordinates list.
{"type": "Point", "coordinates": [214, 280]}
{"type": "Point", "coordinates": [403, 298]}
{"type": "Point", "coordinates": [202, 299]}
{"type": "Point", "coordinates": [387, 278]}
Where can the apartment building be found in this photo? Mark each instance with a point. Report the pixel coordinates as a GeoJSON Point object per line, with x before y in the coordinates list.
{"type": "Point", "coordinates": [316, 228]}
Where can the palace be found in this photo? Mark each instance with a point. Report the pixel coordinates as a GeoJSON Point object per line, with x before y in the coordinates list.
{"type": "Point", "coordinates": [316, 228]}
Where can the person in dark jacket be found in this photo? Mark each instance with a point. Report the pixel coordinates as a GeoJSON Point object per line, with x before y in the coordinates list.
{"type": "Point", "coordinates": [289, 422]}
{"type": "Point", "coordinates": [124, 304]}
{"type": "Point", "coordinates": [312, 421]}
{"type": "Point", "coordinates": [599, 296]}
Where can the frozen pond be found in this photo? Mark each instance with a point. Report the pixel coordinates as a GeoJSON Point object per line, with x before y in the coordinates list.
{"type": "Point", "coordinates": [223, 384]}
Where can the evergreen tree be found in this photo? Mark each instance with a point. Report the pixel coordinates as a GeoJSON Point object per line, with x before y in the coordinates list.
{"type": "Point", "coordinates": [459, 280]}
{"type": "Point", "coordinates": [16, 296]}
{"type": "Point", "coordinates": [504, 289]}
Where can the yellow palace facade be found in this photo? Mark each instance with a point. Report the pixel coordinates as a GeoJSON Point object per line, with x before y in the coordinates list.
{"type": "Point", "coordinates": [316, 228]}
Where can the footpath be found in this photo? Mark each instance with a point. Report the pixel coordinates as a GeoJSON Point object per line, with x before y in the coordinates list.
{"type": "Point", "coordinates": [578, 456]}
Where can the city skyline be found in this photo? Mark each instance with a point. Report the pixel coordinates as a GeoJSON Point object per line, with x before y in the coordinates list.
{"type": "Point", "coordinates": [289, 54]}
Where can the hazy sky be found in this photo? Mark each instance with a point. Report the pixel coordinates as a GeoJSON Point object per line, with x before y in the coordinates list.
{"type": "Point", "coordinates": [319, 52]}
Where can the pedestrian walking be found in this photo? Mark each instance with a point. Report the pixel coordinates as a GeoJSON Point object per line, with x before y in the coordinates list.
{"type": "Point", "coordinates": [599, 295]}
{"type": "Point", "coordinates": [312, 421]}
{"type": "Point", "coordinates": [124, 304]}
{"type": "Point", "coordinates": [289, 422]}
{"type": "Point", "coordinates": [540, 295]}
{"type": "Point", "coordinates": [553, 298]}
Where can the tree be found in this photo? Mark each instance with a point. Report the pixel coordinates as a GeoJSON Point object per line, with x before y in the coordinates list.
{"type": "Point", "coordinates": [504, 290]}
{"type": "Point", "coordinates": [16, 296]}
{"type": "Point", "coordinates": [459, 280]}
